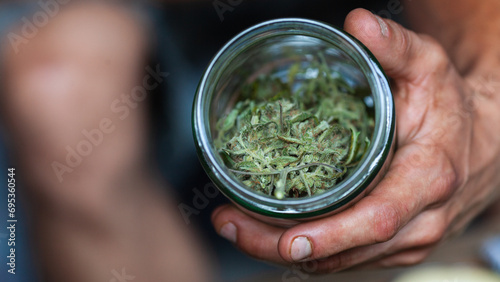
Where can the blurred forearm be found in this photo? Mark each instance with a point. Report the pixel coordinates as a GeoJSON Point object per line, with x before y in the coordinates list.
{"type": "Point", "coordinates": [100, 213]}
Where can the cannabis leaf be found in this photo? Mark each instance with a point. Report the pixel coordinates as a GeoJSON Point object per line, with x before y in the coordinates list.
{"type": "Point", "coordinates": [298, 142]}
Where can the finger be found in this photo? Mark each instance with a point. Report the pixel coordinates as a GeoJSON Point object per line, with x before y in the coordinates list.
{"type": "Point", "coordinates": [402, 53]}
{"type": "Point", "coordinates": [425, 231]}
{"type": "Point", "coordinates": [403, 193]}
{"type": "Point", "coordinates": [428, 229]}
{"type": "Point", "coordinates": [405, 258]}
{"type": "Point", "coordinates": [253, 237]}
{"type": "Point", "coordinates": [352, 258]}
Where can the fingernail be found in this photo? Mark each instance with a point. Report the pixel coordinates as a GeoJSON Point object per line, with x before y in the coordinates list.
{"type": "Point", "coordinates": [384, 29]}
{"type": "Point", "coordinates": [229, 231]}
{"type": "Point", "coordinates": [301, 248]}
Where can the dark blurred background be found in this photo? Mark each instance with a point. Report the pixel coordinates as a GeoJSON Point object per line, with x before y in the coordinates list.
{"type": "Point", "coordinates": [187, 34]}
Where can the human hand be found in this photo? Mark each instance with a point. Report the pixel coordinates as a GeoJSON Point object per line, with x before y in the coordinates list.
{"type": "Point", "coordinates": [444, 171]}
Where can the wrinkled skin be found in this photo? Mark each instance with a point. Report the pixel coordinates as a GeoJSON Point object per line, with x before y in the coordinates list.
{"type": "Point", "coordinates": [444, 171]}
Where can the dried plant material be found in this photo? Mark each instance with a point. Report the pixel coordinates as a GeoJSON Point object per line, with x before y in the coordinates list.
{"type": "Point", "coordinates": [300, 142]}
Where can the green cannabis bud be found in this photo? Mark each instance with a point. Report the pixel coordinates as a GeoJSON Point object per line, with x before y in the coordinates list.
{"type": "Point", "coordinates": [295, 136]}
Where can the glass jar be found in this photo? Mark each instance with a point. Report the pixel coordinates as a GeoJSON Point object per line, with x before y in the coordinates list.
{"type": "Point", "coordinates": [270, 48]}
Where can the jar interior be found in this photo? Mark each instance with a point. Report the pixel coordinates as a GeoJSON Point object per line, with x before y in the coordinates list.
{"type": "Point", "coordinates": [274, 56]}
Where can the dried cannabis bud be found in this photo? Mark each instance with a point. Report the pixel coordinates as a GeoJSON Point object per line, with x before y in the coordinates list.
{"type": "Point", "coordinates": [300, 142]}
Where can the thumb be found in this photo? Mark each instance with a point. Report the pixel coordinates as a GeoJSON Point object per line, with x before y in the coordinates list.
{"type": "Point", "coordinates": [402, 53]}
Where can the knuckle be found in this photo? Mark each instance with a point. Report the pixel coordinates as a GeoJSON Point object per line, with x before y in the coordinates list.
{"type": "Point", "coordinates": [387, 221]}
{"type": "Point", "coordinates": [431, 236]}
{"type": "Point", "coordinates": [404, 259]}
{"type": "Point", "coordinates": [412, 260]}
{"type": "Point", "coordinates": [438, 57]}
{"type": "Point", "coordinates": [445, 184]}
{"type": "Point", "coordinates": [434, 232]}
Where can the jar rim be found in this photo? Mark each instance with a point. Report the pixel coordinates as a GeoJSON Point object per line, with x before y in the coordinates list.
{"type": "Point", "coordinates": [355, 183]}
